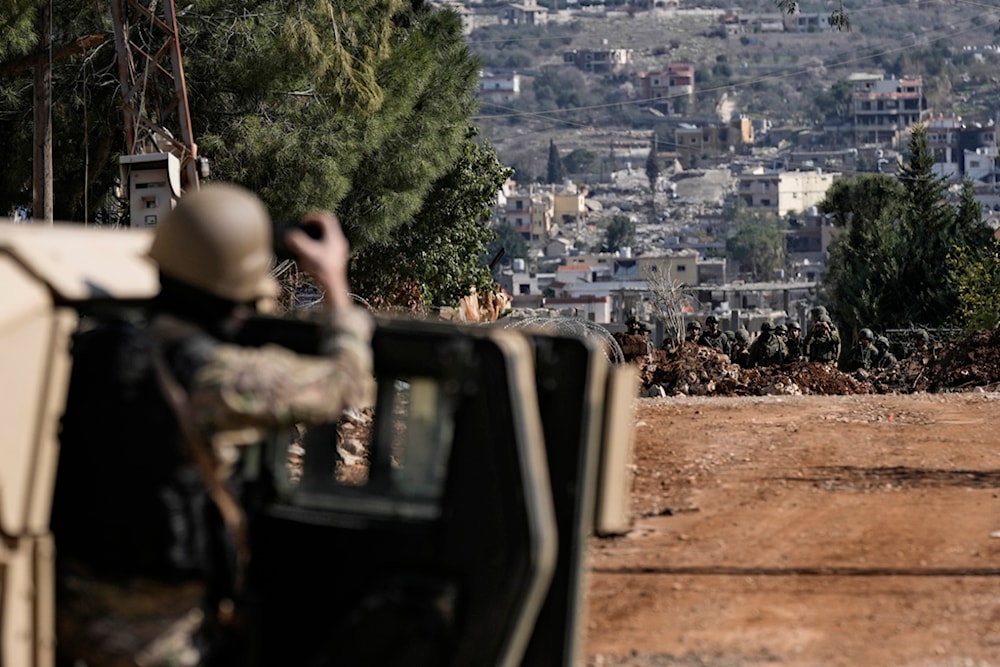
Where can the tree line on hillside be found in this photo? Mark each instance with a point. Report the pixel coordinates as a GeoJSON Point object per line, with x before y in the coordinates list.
{"type": "Point", "coordinates": [905, 255]}
{"type": "Point", "coordinates": [363, 108]}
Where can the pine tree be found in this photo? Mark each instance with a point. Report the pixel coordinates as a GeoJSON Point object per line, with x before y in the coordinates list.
{"type": "Point", "coordinates": [927, 228]}
{"type": "Point", "coordinates": [556, 171]}
{"type": "Point", "coordinates": [653, 165]}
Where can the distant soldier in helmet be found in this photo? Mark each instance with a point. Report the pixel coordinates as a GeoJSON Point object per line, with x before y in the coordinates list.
{"type": "Point", "coordinates": [919, 342]}
{"type": "Point", "coordinates": [767, 349]}
{"type": "Point", "coordinates": [820, 314]}
{"type": "Point", "coordinates": [794, 341]}
{"type": "Point", "coordinates": [820, 345]}
{"type": "Point", "coordinates": [693, 332]}
{"type": "Point", "coordinates": [886, 359]}
{"type": "Point", "coordinates": [865, 354]}
{"type": "Point", "coordinates": [635, 326]}
{"type": "Point", "coordinates": [148, 524]}
{"type": "Point", "coordinates": [739, 353]}
{"type": "Point", "coordinates": [713, 337]}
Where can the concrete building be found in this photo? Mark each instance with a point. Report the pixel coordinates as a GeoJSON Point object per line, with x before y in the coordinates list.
{"type": "Point", "coordinates": [883, 109]}
{"type": "Point", "coordinates": [499, 86]}
{"type": "Point", "coordinates": [530, 213]}
{"type": "Point", "coordinates": [962, 149]}
{"type": "Point", "coordinates": [668, 86]}
{"type": "Point", "coordinates": [784, 192]}
{"type": "Point", "coordinates": [737, 136]}
{"type": "Point", "coordinates": [528, 12]}
{"type": "Point", "coordinates": [600, 61]}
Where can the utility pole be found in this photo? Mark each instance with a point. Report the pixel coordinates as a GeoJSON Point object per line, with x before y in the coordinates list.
{"type": "Point", "coordinates": [41, 206]}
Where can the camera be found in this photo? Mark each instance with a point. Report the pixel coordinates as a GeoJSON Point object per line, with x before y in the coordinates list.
{"type": "Point", "coordinates": [281, 251]}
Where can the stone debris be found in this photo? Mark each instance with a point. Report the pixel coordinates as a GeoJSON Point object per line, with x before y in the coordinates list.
{"type": "Point", "coordinates": [964, 364]}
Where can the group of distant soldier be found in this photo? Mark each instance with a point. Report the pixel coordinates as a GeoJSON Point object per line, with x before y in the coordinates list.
{"type": "Point", "coordinates": [783, 344]}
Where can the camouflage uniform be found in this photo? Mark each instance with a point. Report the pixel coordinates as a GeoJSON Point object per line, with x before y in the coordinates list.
{"type": "Point", "coordinates": [739, 353]}
{"type": "Point", "coordinates": [767, 349]}
{"type": "Point", "coordinates": [794, 342]}
{"type": "Point", "coordinates": [886, 359]}
{"type": "Point", "coordinates": [693, 332]}
{"type": "Point", "coordinates": [148, 514]}
{"type": "Point", "coordinates": [821, 345]}
{"type": "Point", "coordinates": [865, 354]}
{"type": "Point", "coordinates": [146, 608]}
{"type": "Point", "coordinates": [714, 337]}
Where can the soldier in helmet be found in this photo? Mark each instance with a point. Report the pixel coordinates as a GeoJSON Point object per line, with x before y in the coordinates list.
{"type": "Point", "coordinates": [148, 524]}
{"type": "Point", "coordinates": [767, 349]}
{"type": "Point", "coordinates": [794, 341]}
{"type": "Point", "coordinates": [739, 353]}
{"type": "Point", "coordinates": [865, 354]}
{"type": "Point", "coordinates": [821, 345]}
{"type": "Point", "coordinates": [693, 332]}
{"type": "Point", "coordinates": [886, 359]}
{"type": "Point", "coordinates": [713, 337]}
{"type": "Point", "coordinates": [919, 342]}
{"type": "Point", "coordinates": [820, 314]}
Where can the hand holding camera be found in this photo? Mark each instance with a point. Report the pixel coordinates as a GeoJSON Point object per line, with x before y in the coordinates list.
{"type": "Point", "coordinates": [320, 248]}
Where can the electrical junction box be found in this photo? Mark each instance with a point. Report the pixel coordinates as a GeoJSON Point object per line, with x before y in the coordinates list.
{"type": "Point", "coordinates": [153, 182]}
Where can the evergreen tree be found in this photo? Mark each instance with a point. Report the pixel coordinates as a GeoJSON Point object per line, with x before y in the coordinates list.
{"type": "Point", "coordinates": [556, 171]}
{"type": "Point", "coordinates": [928, 233]}
{"type": "Point", "coordinates": [362, 108]}
{"type": "Point", "coordinates": [903, 249]}
{"type": "Point", "coordinates": [864, 270]}
{"type": "Point", "coordinates": [620, 234]}
{"type": "Point", "coordinates": [443, 252]}
{"type": "Point", "coordinates": [653, 165]}
{"type": "Point", "coordinates": [758, 245]}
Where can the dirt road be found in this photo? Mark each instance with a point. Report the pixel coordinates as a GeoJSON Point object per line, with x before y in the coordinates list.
{"type": "Point", "coordinates": [806, 531]}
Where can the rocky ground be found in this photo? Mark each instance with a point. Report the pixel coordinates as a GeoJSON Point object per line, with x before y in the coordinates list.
{"type": "Point", "coordinates": [804, 517]}
{"type": "Point", "coordinates": [805, 531]}
{"type": "Point", "coordinates": [947, 366]}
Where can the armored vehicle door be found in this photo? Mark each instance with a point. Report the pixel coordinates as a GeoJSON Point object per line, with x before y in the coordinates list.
{"type": "Point", "coordinates": [49, 275]}
{"type": "Point", "coordinates": [444, 554]}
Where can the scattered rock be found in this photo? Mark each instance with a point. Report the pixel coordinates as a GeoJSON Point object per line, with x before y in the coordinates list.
{"type": "Point", "coordinates": [959, 365]}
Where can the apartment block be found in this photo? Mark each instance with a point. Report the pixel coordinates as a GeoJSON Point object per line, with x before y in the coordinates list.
{"type": "Point", "coordinates": [714, 140]}
{"type": "Point", "coordinates": [528, 12]}
{"type": "Point", "coordinates": [784, 192]}
{"type": "Point", "coordinates": [883, 109]}
{"type": "Point", "coordinates": [962, 149]}
{"type": "Point", "coordinates": [530, 213]}
{"type": "Point", "coordinates": [599, 60]}
{"type": "Point", "coordinates": [674, 82]}
{"type": "Point", "coordinates": [499, 86]}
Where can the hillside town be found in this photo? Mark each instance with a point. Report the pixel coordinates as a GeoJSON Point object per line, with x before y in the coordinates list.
{"type": "Point", "coordinates": [707, 167]}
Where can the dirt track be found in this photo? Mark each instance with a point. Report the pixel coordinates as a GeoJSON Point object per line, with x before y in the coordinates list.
{"type": "Point", "coordinates": [804, 531]}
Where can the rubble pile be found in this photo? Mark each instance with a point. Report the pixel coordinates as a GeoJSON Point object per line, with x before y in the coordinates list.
{"type": "Point", "coordinates": [958, 365]}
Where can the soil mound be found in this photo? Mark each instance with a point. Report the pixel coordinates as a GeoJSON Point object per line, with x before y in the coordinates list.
{"type": "Point", "coordinates": [961, 364]}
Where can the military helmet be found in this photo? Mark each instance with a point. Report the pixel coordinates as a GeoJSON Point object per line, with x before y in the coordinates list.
{"type": "Point", "coordinates": [711, 319]}
{"type": "Point", "coordinates": [765, 327]}
{"type": "Point", "coordinates": [743, 335]}
{"type": "Point", "coordinates": [819, 310]}
{"type": "Point", "coordinates": [219, 240]}
{"type": "Point", "coordinates": [794, 325]}
{"type": "Point", "coordinates": [825, 319]}
{"type": "Point", "coordinates": [866, 334]}
{"type": "Point", "coordinates": [693, 325]}
{"type": "Point", "coordinates": [781, 330]}
{"type": "Point", "coordinates": [882, 341]}
{"type": "Point", "coordinates": [921, 335]}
